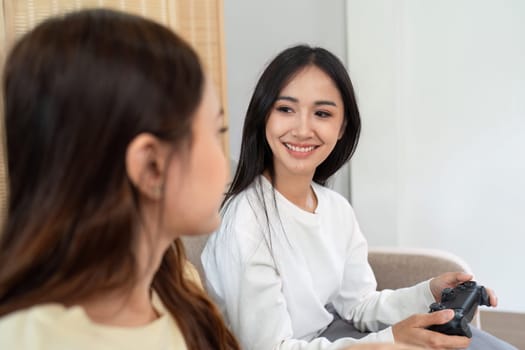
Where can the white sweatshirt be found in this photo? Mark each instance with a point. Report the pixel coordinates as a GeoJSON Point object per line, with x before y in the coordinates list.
{"type": "Point", "coordinates": [275, 298]}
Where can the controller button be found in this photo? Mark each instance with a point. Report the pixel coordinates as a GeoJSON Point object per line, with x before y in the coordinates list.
{"type": "Point", "coordinates": [468, 284]}
{"type": "Point", "coordinates": [436, 307]}
{"type": "Point", "coordinates": [448, 294]}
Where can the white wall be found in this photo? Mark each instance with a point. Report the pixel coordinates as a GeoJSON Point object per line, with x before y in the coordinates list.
{"type": "Point", "coordinates": [256, 31]}
{"type": "Point", "coordinates": [441, 163]}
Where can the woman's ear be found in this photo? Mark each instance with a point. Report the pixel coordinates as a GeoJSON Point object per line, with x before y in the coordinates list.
{"type": "Point", "coordinates": [146, 165]}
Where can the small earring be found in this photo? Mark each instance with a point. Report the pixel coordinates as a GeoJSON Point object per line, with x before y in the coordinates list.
{"type": "Point", "coordinates": [157, 191]}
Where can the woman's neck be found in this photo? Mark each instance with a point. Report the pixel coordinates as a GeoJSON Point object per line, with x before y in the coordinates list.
{"type": "Point", "coordinates": [131, 308]}
{"type": "Point", "coordinates": [122, 309]}
{"type": "Point", "coordinates": [296, 189]}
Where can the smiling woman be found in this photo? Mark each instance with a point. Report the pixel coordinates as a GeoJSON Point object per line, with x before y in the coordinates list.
{"type": "Point", "coordinates": [288, 265]}
{"type": "Point", "coordinates": [301, 126]}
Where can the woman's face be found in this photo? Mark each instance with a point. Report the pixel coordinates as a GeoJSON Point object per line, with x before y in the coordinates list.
{"type": "Point", "coordinates": [305, 123]}
{"type": "Point", "coordinates": [193, 197]}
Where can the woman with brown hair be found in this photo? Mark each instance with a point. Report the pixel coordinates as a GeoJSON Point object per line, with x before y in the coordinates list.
{"type": "Point", "coordinates": [113, 132]}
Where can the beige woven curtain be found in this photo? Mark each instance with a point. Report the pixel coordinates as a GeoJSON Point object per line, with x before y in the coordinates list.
{"type": "Point", "coordinates": [198, 21]}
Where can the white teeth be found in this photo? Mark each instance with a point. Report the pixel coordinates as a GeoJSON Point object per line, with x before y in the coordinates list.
{"type": "Point", "coordinates": [299, 149]}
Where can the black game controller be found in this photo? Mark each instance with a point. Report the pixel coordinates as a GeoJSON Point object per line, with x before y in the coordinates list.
{"type": "Point", "coordinates": [464, 300]}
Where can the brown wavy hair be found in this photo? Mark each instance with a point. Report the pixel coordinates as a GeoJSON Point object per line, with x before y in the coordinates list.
{"type": "Point", "coordinates": [77, 89]}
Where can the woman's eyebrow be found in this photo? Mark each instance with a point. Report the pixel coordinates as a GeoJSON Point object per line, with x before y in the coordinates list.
{"type": "Point", "coordinates": [323, 102]}
{"type": "Point", "coordinates": [316, 103]}
{"type": "Point", "coordinates": [287, 98]}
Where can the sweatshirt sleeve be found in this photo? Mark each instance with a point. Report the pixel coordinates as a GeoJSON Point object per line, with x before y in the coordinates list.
{"type": "Point", "coordinates": [358, 299]}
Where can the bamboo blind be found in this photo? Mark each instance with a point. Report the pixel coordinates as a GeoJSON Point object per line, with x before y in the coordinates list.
{"type": "Point", "coordinates": [200, 22]}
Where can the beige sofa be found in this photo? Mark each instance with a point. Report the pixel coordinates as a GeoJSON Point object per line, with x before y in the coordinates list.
{"type": "Point", "coordinates": [394, 267]}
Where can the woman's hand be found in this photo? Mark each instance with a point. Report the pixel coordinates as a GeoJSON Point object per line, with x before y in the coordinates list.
{"type": "Point", "coordinates": [413, 331]}
{"type": "Point", "coordinates": [452, 279]}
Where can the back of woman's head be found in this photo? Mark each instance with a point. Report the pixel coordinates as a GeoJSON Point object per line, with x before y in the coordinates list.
{"type": "Point", "coordinates": [77, 90]}
{"type": "Point", "coordinates": [256, 155]}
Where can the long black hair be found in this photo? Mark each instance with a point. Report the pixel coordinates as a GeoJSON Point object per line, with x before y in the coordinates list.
{"type": "Point", "coordinates": [256, 155]}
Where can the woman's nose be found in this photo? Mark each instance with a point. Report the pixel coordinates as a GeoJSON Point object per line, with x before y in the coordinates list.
{"type": "Point", "coordinates": [303, 127]}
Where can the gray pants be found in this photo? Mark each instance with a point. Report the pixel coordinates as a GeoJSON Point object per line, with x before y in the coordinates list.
{"type": "Point", "coordinates": [481, 340]}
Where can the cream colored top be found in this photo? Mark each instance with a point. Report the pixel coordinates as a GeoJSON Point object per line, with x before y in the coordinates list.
{"type": "Point", "coordinates": [54, 326]}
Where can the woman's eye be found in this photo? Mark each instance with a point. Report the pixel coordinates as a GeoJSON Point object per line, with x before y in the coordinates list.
{"type": "Point", "coordinates": [323, 114]}
{"type": "Point", "coordinates": [284, 109]}
{"type": "Point", "coordinates": [223, 130]}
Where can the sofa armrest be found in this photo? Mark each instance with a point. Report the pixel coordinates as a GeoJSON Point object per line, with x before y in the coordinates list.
{"type": "Point", "coordinates": [403, 267]}
{"type": "Point", "coordinates": [193, 245]}
{"type": "Point", "coordinates": [396, 267]}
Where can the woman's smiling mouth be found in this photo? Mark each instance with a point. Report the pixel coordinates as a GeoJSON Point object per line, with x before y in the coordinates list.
{"type": "Point", "coordinates": [300, 149]}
